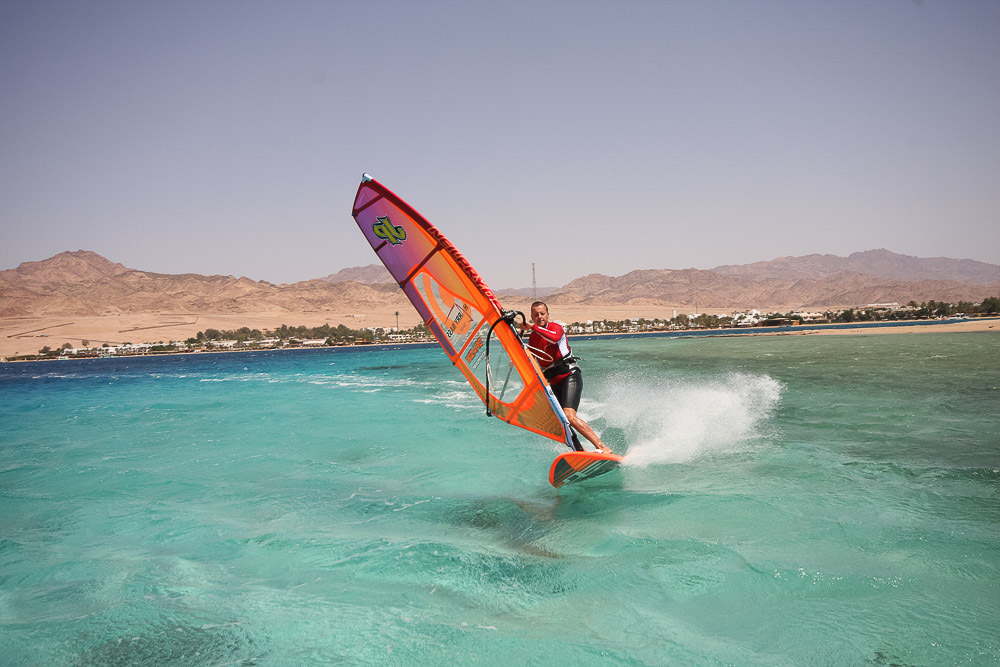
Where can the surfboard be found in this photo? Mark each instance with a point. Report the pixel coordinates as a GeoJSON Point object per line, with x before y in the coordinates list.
{"type": "Point", "coordinates": [573, 467]}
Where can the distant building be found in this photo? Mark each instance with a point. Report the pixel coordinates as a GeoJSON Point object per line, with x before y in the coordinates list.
{"type": "Point", "coordinates": [748, 318]}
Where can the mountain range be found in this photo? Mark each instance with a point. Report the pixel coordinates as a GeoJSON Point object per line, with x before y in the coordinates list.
{"type": "Point", "coordinates": [808, 282]}
{"type": "Point", "coordinates": [85, 283]}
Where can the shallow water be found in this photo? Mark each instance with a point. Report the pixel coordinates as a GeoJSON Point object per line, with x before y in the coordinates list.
{"type": "Point", "coordinates": [785, 501]}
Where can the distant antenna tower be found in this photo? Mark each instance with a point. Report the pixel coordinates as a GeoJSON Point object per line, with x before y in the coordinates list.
{"type": "Point", "coordinates": [534, 288]}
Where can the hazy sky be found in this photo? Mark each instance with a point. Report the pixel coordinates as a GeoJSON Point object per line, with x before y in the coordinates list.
{"type": "Point", "coordinates": [229, 137]}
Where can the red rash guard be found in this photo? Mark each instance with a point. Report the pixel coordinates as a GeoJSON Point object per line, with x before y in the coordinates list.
{"type": "Point", "coordinates": [552, 344]}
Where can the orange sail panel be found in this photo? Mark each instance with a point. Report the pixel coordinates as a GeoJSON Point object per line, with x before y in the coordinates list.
{"type": "Point", "coordinates": [459, 309]}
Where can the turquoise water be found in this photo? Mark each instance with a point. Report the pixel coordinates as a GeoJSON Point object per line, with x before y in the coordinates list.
{"type": "Point", "coordinates": [785, 501]}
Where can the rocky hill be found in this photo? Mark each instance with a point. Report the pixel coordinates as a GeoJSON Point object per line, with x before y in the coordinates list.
{"type": "Point", "coordinates": [85, 283]}
{"type": "Point", "coordinates": [373, 274]}
{"type": "Point", "coordinates": [703, 290]}
{"type": "Point", "coordinates": [808, 282]}
{"type": "Point", "coordinates": [879, 263]}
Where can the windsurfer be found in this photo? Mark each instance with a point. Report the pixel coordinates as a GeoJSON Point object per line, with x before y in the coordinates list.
{"type": "Point", "coordinates": [549, 344]}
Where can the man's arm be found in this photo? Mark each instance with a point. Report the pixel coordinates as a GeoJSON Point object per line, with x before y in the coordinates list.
{"type": "Point", "coordinates": [552, 333]}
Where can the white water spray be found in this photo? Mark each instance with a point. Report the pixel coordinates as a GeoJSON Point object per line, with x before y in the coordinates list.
{"type": "Point", "coordinates": [672, 420]}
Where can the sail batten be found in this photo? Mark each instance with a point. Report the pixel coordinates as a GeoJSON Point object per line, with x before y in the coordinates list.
{"type": "Point", "coordinates": [460, 310]}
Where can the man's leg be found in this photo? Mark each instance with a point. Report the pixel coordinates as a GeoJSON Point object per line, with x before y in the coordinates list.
{"type": "Point", "coordinates": [585, 430]}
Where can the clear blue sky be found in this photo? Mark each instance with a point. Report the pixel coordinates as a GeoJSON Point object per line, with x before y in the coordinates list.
{"type": "Point", "coordinates": [229, 137]}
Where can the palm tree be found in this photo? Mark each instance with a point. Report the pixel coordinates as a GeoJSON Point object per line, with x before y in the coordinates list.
{"type": "Point", "coordinates": [397, 320]}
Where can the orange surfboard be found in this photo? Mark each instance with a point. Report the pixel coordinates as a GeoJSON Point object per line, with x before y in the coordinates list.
{"type": "Point", "coordinates": [572, 467]}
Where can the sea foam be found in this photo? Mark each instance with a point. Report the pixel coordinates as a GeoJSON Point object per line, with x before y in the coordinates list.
{"type": "Point", "coordinates": [673, 420]}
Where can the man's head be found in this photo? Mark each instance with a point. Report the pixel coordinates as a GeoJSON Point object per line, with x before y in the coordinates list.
{"type": "Point", "coordinates": [540, 313]}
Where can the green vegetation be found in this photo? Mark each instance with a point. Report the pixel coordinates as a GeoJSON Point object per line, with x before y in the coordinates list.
{"type": "Point", "coordinates": [294, 335]}
{"type": "Point", "coordinates": [912, 311]}
{"type": "Point", "coordinates": [922, 311]}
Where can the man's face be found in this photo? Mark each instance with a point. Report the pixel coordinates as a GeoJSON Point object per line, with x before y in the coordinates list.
{"type": "Point", "coordinates": [540, 316]}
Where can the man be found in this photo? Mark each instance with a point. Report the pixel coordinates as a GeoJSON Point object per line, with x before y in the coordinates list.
{"type": "Point", "coordinates": [550, 346]}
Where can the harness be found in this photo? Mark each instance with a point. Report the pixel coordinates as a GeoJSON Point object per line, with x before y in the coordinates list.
{"type": "Point", "coordinates": [564, 366]}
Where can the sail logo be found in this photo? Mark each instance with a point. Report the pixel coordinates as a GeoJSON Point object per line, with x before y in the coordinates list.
{"type": "Point", "coordinates": [384, 229]}
{"type": "Point", "coordinates": [470, 357]}
{"type": "Point", "coordinates": [458, 322]}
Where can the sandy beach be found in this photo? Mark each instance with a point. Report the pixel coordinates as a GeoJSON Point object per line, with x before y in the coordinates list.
{"type": "Point", "coordinates": [19, 336]}
{"type": "Point", "coordinates": [945, 325]}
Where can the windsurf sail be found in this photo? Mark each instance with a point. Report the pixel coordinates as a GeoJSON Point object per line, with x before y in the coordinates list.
{"type": "Point", "coordinates": [461, 311]}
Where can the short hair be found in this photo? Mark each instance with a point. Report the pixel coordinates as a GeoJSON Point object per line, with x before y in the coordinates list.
{"type": "Point", "coordinates": [540, 303]}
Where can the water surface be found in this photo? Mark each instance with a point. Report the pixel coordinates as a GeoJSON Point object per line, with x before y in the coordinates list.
{"type": "Point", "coordinates": [785, 501]}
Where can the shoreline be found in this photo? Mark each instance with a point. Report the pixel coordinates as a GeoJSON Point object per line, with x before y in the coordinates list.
{"type": "Point", "coordinates": [983, 324]}
{"type": "Point", "coordinates": [835, 329]}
